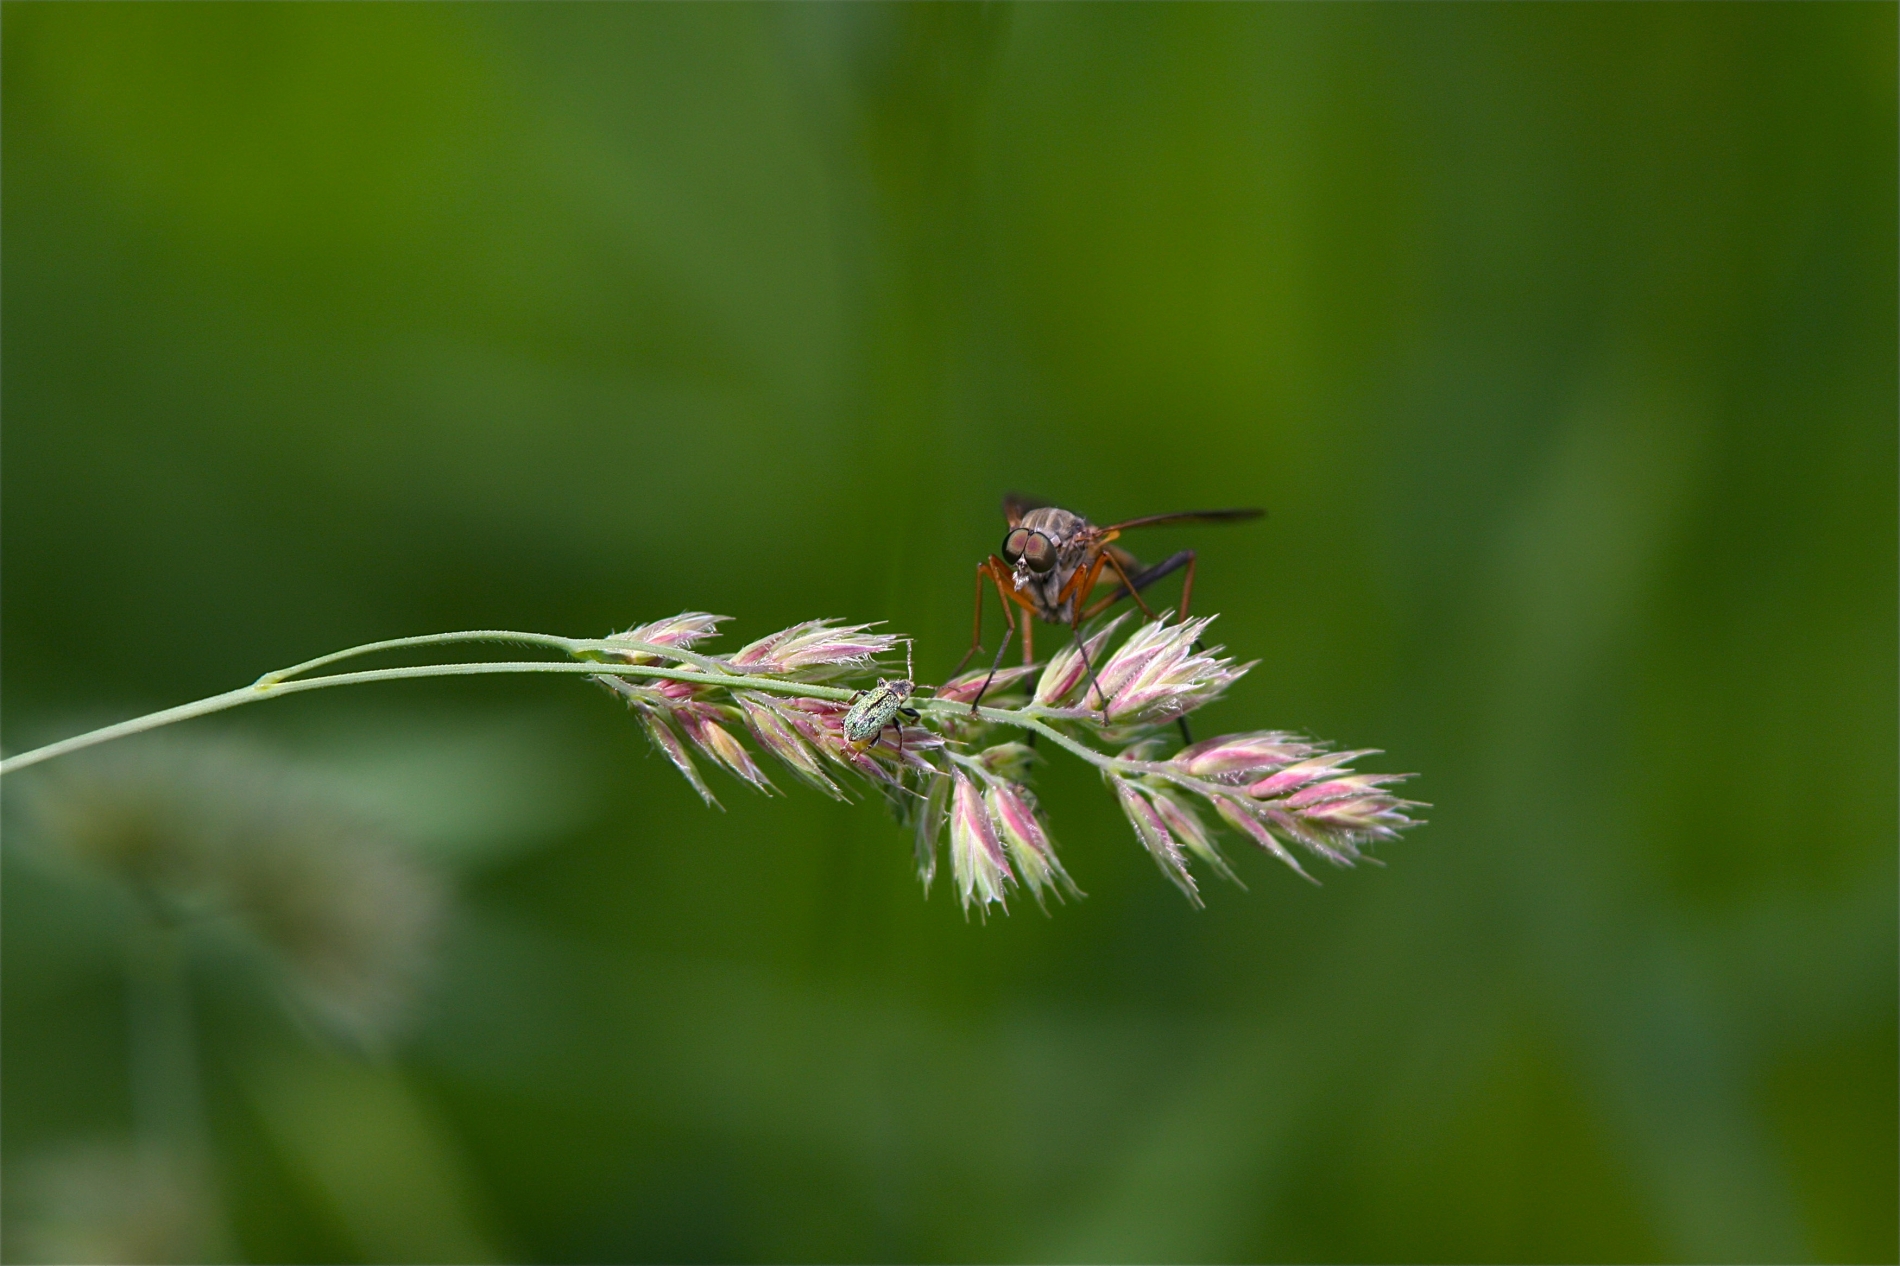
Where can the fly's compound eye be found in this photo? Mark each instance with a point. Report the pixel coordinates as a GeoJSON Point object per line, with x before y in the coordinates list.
{"type": "Point", "coordinates": [1039, 553]}
{"type": "Point", "coordinates": [1013, 544]}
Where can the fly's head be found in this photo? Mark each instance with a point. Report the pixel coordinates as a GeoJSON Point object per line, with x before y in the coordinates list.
{"type": "Point", "coordinates": [1045, 545]}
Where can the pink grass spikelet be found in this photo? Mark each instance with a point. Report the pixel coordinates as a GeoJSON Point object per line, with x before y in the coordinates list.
{"type": "Point", "coordinates": [1153, 832]}
{"type": "Point", "coordinates": [714, 739]}
{"type": "Point", "coordinates": [963, 689]}
{"type": "Point", "coordinates": [778, 736]}
{"type": "Point", "coordinates": [976, 855]}
{"type": "Point", "coordinates": [682, 631]}
{"type": "Point", "coordinates": [1254, 829]}
{"type": "Point", "coordinates": [1191, 833]}
{"type": "Point", "coordinates": [1319, 793]}
{"type": "Point", "coordinates": [813, 651]}
{"type": "Point", "coordinates": [931, 817]}
{"type": "Point", "coordinates": [1013, 810]}
{"type": "Point", "coordinates": [1158, 674]}
{"type": "Point", "coordinates": [1311, 770]}
{"type": "Point", "coordinates": [662, 736]}
{"type": "Point", "coordinates": [1068, 668]}
{"type": "Point", "coordinates": [1242, 757]}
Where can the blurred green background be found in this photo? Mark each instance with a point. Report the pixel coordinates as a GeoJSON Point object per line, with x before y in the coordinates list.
{"type": "Point", "coordinates": [1559, 341]}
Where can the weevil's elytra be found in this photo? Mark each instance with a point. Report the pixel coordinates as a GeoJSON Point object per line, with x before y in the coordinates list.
{"type": "Point", "coordinates": [874, 710]}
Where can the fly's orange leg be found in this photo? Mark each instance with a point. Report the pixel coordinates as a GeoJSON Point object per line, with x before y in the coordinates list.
{"type": "Point", "coordinates": [1187, 585]}
{"type": "Point", "coordinates": [1142, 579]}
{"type": "Point", "coordinates": [996, 569]}
{"type": "Point", "coordinates": [985, 570]}
{"type": "Point", "coordinates": [976, 623]}
{"type": "Point", "coordinates": [1127, 584]}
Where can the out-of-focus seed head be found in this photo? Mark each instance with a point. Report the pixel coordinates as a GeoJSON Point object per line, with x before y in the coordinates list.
{"type": "Point", "coordinates": [813, 651]}
{"type": "Point", "coordinates": [681, 632]}
{"type": "Point", "coordinates": [354, 921]}
{"type": "Point", "coordinates": [976, 855]}
{"type": "Point", "coordinates": [1011, 761]}
{"type": "Point", "coordinates": [104, 1202]}
{"type": "Point", "coordinates": [1013, 811]}
{"type": "Point", "coordinates": [344, 920]}
{"type": "Point", "coordinates": [1068, 668]}
{"type": "Point", "coordinates": [1154, 835]}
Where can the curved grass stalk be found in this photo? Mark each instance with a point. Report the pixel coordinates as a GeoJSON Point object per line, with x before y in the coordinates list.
{"type": "Point", "coordinates": [289, 681]}
{"type": "Point", "coordinates": [1278, 789]}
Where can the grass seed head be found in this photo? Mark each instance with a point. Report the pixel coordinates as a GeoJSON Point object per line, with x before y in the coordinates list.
{"type": "Point", "coordinates": [976, 855]}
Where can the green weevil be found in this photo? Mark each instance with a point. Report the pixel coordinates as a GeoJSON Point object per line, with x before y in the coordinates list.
{"type": "Point", "coordinates": [873, 710]}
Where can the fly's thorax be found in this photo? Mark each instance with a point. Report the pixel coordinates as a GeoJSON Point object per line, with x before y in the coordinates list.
{"type": "Point", "coordinates": [1060, 526]}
